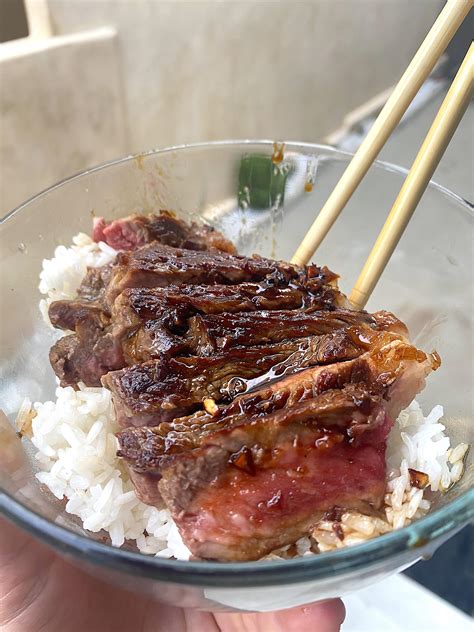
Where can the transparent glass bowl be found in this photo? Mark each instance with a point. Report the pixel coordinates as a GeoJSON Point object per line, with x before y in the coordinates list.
{"type": "Point", "coordinates": [263, 207]}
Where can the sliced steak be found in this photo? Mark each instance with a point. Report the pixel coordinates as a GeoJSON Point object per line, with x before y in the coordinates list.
{"type": "Point", "coordinates": [86, 355]}
{"type": "Point", "coordinates": [205, 460]}
{"type": "Point", "coordinates": [210, 333]}
{"type": "Point", "coordinates": [263, 484]}
{"type": "Point", "coordinates": [187, 432]}
{"type": "Point", "coordinates": [150, 448]}
{"type": "Point", "coordinates": [159, 390]}
{"type": "Point", "coordinates": [156, 265]}
{"type": "Point", "coordinates": [131, 232]}
{"type": "Point", "coordinates": [146, 488]}
{"type": "Point", "coordinates": [281, 413]}
{"type": "Point", "coordinates": [149, 323]}
{"type": "Point", "coordinates": [152, 322]}
{"type": "Point", "coordinates": [151, 451]}
{"type": "Point", "coordinates": [181, 302]}
{"type": "Point", "coordinates": [95, 282]}
{"type": "Point", "coordinates": [67, 314]}
{"type": "Point", "coordinates": [390, 363]}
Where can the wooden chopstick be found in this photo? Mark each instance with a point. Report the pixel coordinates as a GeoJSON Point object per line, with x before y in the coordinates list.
{"type": "Point", "coordinates": [419, 68]}
{"type": "Point", "coordinates": [431, 151]}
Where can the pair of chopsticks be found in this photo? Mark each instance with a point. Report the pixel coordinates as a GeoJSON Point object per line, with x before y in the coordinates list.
{"type": "Point", "coordinates": [434, 145]}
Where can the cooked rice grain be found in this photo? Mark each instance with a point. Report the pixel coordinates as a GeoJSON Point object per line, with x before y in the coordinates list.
{"type": "Point", "coordinates": [61, 276]}
{"type": "Point", "coordinates": [76, 444]}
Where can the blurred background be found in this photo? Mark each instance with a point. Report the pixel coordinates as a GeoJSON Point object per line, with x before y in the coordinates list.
{"type": "Point", "coordinates": [85, 81]}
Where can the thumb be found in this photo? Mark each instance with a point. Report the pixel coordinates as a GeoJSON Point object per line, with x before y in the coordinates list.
{"type": "Point", "coordinates": [323, 616]}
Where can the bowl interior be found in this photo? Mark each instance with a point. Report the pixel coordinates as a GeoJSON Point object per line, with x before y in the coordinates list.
{"type": "Point", "coordinates": [265, 206]}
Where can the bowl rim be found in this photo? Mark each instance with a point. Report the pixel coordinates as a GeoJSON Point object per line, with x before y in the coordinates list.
{"type": "Point", "coordinates": [436, 525]}
{"type": "Point", "coordinates": [388, 166]}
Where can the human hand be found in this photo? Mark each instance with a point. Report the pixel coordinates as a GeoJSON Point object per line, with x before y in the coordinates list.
{"type": "Point", "coordinates": [42, 592]}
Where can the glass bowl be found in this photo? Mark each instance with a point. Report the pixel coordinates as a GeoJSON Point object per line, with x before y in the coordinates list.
{"type": "Point", "coordinates": [264, 205]}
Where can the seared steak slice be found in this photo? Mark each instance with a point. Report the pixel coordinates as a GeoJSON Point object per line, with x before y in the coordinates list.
{"type": "Point", "coordinates": [151, 322]}
{"type": "Point", "coordinates": [151, 451]}
{"type": "Point", "coordinates": [150, 448]}
{"type": "Point", "coordinates": [94, 283]}
{"type": "Point", "coordinates": [67, 314]}
{"type": "Point", "coordinates": [390, 363]}
{"type": "Point", "coordinates": [130, 233]}
{"type": "Point", "coordinates": [146, 488]}
{"type": "Point", "coordinates": [263, 484]}
{"type": "Point", "coordinates": [62, 355]}
{"type": "Point", "coordinates": [181, 302]}
{"type": "Point", "coordinates": [391, 372]}
{"type": "Point", "coordinates": [156, 265]}
{"type": "Point", "coordinates": [148, 323]}
{"type": "Point", "coordinates": [86, 355]}
{"type": "Point", "coordinates": [215, 332]}
{"type": "Point", "coordinates": [161, 390]}
{"type": "Point", "coordinates": [379, 368]}
{"type": "Point", "coordinates": [135, 230]}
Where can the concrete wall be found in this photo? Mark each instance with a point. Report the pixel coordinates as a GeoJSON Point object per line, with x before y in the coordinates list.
{"type": "Point", "coordinates": [61, 110]}
{"type": "Point", "coordinates": [207, 70]}
{"type": "Point", "coordinates": [192, 71]}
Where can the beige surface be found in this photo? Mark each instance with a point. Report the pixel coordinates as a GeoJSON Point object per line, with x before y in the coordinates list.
{"type": "Point", "coordinates": [209, 70]}
{"type": "Point", "coordinates": [60, 111]}
{"type": "Point", "coordinates": [181, 72]}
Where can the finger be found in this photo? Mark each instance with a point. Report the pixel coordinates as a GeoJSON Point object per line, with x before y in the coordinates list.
{"type": "Point", "coordinates": [19, 553]}
{"type": "Point", "coordinates": [12, 541]}
{"type": "Point", "coordinates": [23, 566]}
{"type": "Point", "coordinates": [323, 616]}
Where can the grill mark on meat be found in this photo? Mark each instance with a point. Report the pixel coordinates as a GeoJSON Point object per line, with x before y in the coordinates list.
{"type": "Point", "coordinates": [156, 265]}
{"type": "Point", "coordinates": [162, 389]}
{"type": "Point", "coordinates": [152, 321]}
{"type": "Point", "coordinates": [216, 332]}
{"type": "Point", "coordinates": [349, 409]}
{"type": "Point", "coordinates": [148, 323]}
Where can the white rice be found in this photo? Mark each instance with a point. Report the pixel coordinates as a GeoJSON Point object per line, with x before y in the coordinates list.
{"type": "Point", "coordinates": [76, 450]}
{"type": "Point", "coordinates": [61, 276]}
